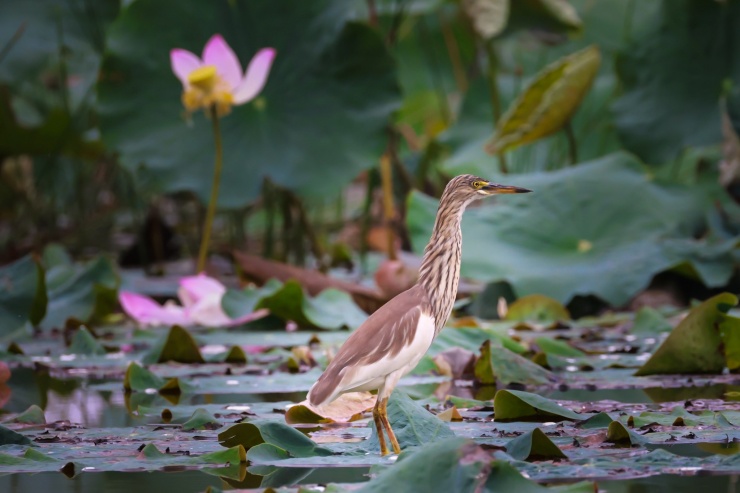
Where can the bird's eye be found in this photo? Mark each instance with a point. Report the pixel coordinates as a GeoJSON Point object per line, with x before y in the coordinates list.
{"type": "Point", "coordinates": [477, 184]}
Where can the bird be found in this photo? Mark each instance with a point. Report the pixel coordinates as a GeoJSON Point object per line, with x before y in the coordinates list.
{"type": "Point", "coordinates": [392, 340]}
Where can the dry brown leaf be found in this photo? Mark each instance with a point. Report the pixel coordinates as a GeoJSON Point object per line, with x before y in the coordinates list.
{"type": "Point", "coordinates": [347, 407]}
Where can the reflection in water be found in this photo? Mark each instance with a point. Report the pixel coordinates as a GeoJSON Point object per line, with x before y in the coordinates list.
{"type": "Point", "coordinates": [673, 484]}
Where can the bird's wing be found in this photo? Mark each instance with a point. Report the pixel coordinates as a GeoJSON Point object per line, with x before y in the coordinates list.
{"type": "Point", "coordinates": [381, 342]}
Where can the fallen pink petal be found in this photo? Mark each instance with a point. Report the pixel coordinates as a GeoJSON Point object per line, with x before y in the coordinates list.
{"type": "Point", "coordinates": [200, 296]}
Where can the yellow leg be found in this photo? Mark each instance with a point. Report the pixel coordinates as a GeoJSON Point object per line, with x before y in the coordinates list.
{"type": "Point", "coordinates": [379, 428]}
{"type": "Point", "coordinates": [387, 426]}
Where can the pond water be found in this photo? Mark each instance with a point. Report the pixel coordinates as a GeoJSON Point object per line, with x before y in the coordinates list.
{"type": "Point", "coordinates": [195, 481]}
{"type": "Point", "coordinates": [75, 400]}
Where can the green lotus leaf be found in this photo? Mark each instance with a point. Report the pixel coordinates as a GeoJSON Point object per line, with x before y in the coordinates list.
{"type": "Point", "coordinates": [537, 308]}
{"type": "Point", "coordinates": [412, 424]}
{"type": "Point", "coordinates": [22, 294]}
{"type": "Point", "coordinates": [621, 436]}
{"type": "Point", "coordinates": [673, 68]}
{"type": "Point", "coordinates": [177, 345]}
{"type": "Point", "coordinates": [696, 345]}
{"type": "Point", "coordinates": [513, 405]}
{"type": "Point", "coordinates": [319, 121]}
{"type": "Point", "coordinates": [452, 464]}
{"type": "Point", "coordinates": [84, 343]}
{"type": "Point", "coordinates": [330, 309]}
{"type": "Point", "coordinates": [201, 420]}
{"type": "Point", "coordinates": [532, 446]}
{"type": "Point", "coordinates": [548, 102]}
{"type": "Point", "coordinates": [570, 237]}
{"type": "Point", "coordinates": [80, 291]}
{"type": "Point", "coordinates": [648, 320]}
{"type": "Point", "coordinates": [498, 364]}
{"type": "Point", "coordinates": [264, 431]}
{"type": "Point", "coordinates": [10, 437]}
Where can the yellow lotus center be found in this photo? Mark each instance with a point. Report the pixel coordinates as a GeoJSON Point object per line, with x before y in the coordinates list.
{"type": "Point", "coordinates": [203, 78]}
{"type": "Point", "coordinates": [584, 246]}
{"type": "Point", "coordinates": [207, 90]}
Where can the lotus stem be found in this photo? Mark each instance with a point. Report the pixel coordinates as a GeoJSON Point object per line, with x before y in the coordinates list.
{"type": "Point", "coordinates": [386, 175]}
{"type": "Point", "coordinates": [572, 146]}
{"type": "Point", "coordinates": [495, 93]}
{"type": "Point", "coordinates": [211, 212]}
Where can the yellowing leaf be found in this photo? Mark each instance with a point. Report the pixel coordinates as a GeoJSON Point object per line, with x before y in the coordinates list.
{"type": "Point", "coordinates": [489, 17]}
{"type": "Point", "coordinates": [548, 102]}
{"type": "Point", "coordinates": [699, 343]}
{"type": "Point", "coordinates": [347, 407]}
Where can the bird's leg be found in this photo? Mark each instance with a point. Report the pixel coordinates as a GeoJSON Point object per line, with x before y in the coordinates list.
{"type": "Point", "coordinates": [387, 426]}
{"type": "Point", "coordinates": [379, 428]}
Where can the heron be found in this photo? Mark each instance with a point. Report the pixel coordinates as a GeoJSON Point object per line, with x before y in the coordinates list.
{"type": "Point", "coordinates": [393, 339]}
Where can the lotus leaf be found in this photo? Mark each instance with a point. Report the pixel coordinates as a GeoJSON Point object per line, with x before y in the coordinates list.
{"type": "Point", "coordinates": [319, 121]}
{"type": "Point", "coordinates": [570, 238]}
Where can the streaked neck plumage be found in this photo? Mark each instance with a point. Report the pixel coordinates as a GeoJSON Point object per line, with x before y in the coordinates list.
{"type": "Point", "coordinates": [440, 268]}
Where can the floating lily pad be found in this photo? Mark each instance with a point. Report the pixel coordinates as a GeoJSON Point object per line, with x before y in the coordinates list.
{"type": "Point", "coordinates": [10, 437]}
{"type": "Point", "coordinates": [695, 345]}
{"type": "Point", "coordinates": [412, 424]}
{"type": "Point", "coordinates": [330, 309]}
{"type": "Point", "coordinates": [272, 433]}
{"type": "Point", "coordinates": [648, 320]}
{"type": "Point", "coordinates": [138, 379]}
{"type": "Point", "coordinates": [533, 446]}
{"type": "Point", "coordinates": [452, 464]}
{"type": "Point", "coordinates": [537, 308]}
{"type": "Point", "coordinates": [83, 342]}
{"type": "Point", "coordinates": [201, 420]}
{"type": "Point", "coordinates": [556, 347]}
{"type": "Point", "coordinates": [620, 436]}
{"type": "Point", "coordinates": [34, 415]}
{"type": "Point", "coordinates": [512, 405]}
{"type": "Point", "coordinates": [177, 345]}
{"type": "Point", "coordinates": [496, 363]}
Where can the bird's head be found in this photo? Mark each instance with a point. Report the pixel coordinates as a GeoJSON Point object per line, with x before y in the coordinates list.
{"type": "Point", "coordinates": [470, 187]}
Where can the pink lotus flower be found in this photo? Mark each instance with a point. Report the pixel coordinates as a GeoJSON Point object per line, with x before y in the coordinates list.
{"type": "Point", "coordinates": [201, 305]}
{"type": "Point", "coordinates": [216, 79]}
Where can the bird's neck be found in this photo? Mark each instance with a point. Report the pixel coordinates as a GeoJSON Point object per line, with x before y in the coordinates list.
{"type": "Point", "coordinates": [440, 268]}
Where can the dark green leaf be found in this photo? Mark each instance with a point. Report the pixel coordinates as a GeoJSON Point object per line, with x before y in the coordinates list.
{"type": "Point", "coordinates": [178, 345]}
{"type": "Point", "coordinates": [10, 437]}
{"type": "Point", "coordinates": [272, 432]}
{"type": "Point", "coordinates": [201, 420]}
{"type": "Point", "coordinates": [496, 363]}
{"type": "Point", "coordinates": [452, 464]}
{"type": "Point", "coordinates": [648, 320]}
{"type": "Point", "coordinates": [569, 237]}
{"type": "Point", "coordinates": [674, 68]}
{"type": "Point", "coordinates": [331, 76]}
{"type": "Point", "coordinates": [412, 424]}
{"type": "Point", "coordinates": [533, 446]}
{"type": "Point", "coordinates": [695, 345]}
{"type": "Point", "coordinates": [22, 294]}
{"type": "Point", "coordinates": [513, 405]}
{"type": "Point", "coordinates": [84, 343]}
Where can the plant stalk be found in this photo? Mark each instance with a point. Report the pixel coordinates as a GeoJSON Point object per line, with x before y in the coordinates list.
{"type": "Point", "coordinates": [572, 146]}
{"type": "Point", "coordinates": [211, 212]}
{"type": "Point", "coordinates": [495, 93]}
{"type": "Point", "coordinates": [386, 175]}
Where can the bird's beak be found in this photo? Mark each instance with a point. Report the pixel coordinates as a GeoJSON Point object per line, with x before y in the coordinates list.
{"type": "Point", "coordinates": [494, 188]}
